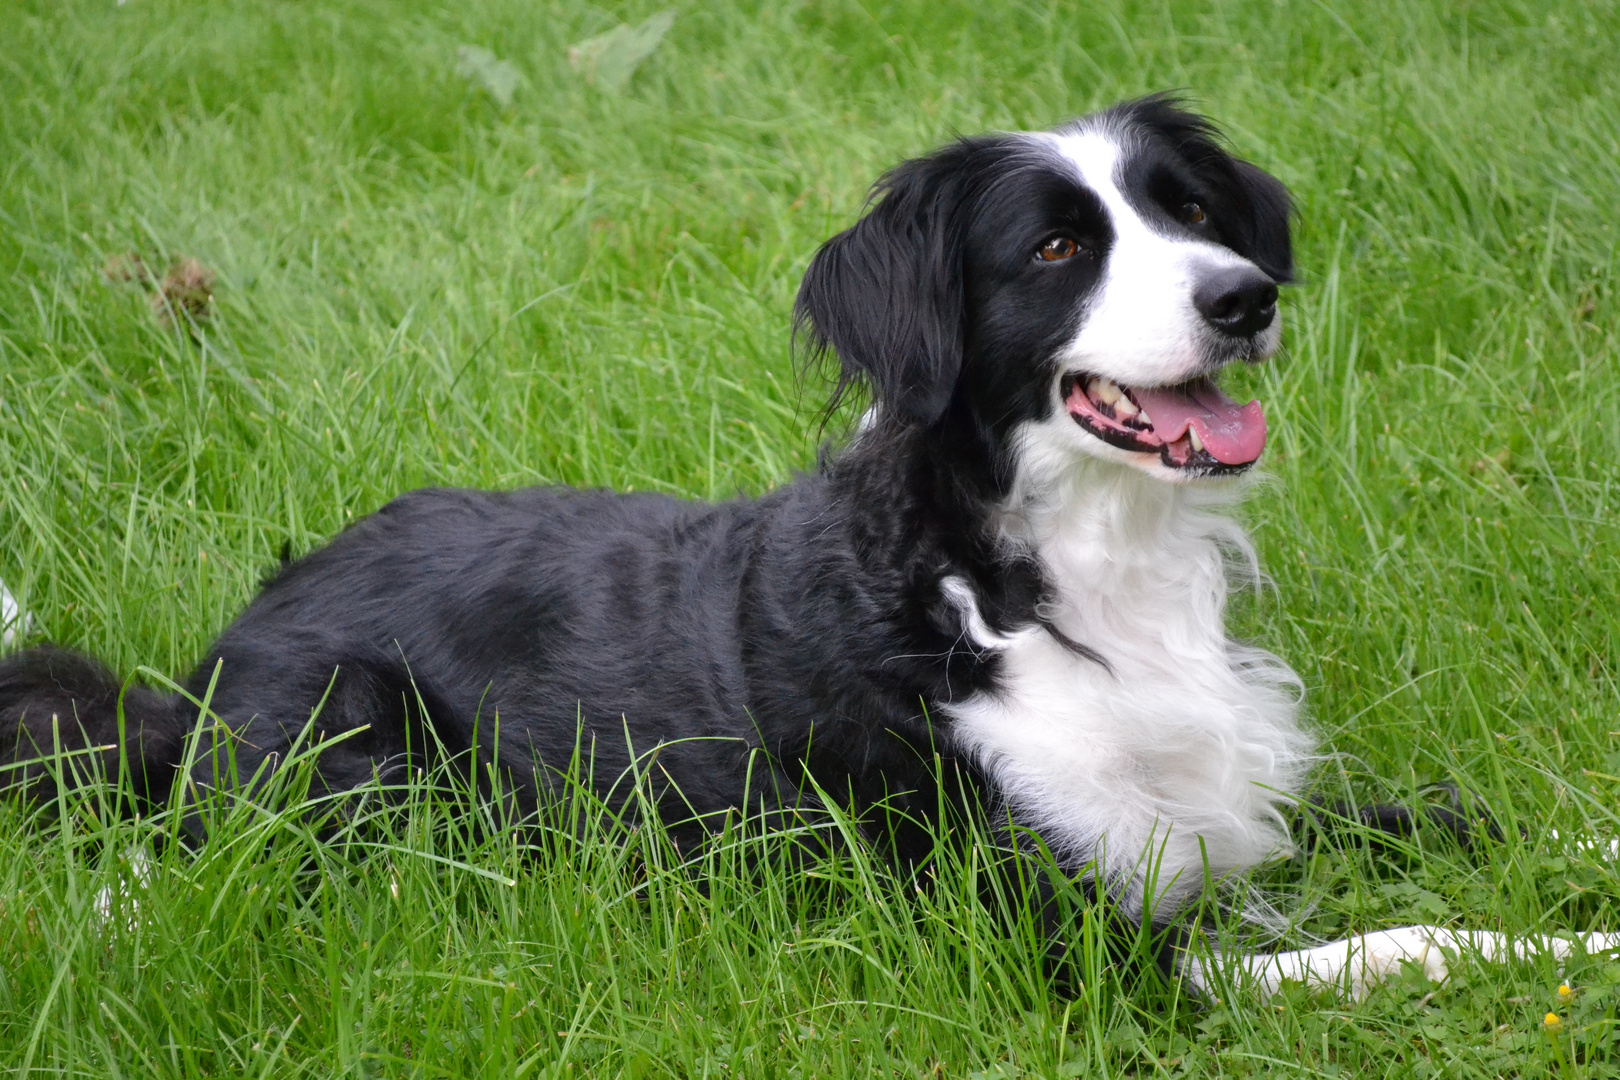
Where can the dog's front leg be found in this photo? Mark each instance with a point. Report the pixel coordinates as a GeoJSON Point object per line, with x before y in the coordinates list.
{"type": "Point", "coordinates": [1356, 964]}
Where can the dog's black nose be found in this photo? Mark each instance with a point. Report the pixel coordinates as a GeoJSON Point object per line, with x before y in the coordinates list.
{"type": "Point", "coordinates": [1240, 301]}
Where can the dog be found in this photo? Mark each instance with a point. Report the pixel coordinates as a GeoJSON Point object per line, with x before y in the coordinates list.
{"type": "Point", "coordinates": [1016, 569]}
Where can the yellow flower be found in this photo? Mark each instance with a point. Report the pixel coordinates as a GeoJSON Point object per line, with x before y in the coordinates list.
{"type": "Point", "coordinates": [1565, 993]}
{"type": "Point", "coordinates": [1551, 1022]}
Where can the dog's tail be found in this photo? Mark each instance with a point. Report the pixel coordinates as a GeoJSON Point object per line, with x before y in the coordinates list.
{"type": "Point", "coordinates": [60, 722]}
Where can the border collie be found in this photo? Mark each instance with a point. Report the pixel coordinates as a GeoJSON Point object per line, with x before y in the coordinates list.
{"type": "Point", "coordinates": [1018, 565]}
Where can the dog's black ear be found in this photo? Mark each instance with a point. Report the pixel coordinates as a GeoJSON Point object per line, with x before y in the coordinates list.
{"type": "Point", "coordinates": [886, 295]}
{"type": "Point", "coordinates": [1267, 240]}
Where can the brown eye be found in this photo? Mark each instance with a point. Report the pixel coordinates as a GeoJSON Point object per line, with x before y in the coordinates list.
{"type": "Point", "coordinates": [1057, 249]}
{"type": "Point", "coordinates": [1192, 214]}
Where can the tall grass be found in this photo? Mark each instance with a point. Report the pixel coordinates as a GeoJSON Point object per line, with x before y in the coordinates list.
{"type": "Point", "coordinates": [417, 285]}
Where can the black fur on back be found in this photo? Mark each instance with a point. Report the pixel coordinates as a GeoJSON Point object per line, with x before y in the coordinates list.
{"type": "Point", "coordinates": [792, 624]}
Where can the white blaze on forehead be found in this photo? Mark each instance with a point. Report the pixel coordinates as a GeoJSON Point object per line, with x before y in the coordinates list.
{"type": "Point", "coordinates": [1140, 326]}
{"type": "Point", "coordinates": [1096, 155]}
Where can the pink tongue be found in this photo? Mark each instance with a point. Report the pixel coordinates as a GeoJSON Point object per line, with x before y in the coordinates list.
{"type": "Point", "coordinates": [1233, 434]}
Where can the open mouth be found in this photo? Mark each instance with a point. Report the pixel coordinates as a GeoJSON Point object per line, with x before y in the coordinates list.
{"type": "Point", "coordinates": [1192, 426]}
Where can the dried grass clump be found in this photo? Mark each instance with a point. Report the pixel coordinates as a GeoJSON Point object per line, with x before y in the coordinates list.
{"type": "Point", "coordinates": [188, 289]}
{"type": "Point", "coordinates": [184, 294]}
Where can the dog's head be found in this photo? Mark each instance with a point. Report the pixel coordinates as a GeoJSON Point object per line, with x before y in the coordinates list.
{"type": "Point", "coordinates": [1095, 277]}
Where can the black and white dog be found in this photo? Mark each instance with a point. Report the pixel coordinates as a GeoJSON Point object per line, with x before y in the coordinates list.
{"type": "Point", "coordinates": [1019, 561]}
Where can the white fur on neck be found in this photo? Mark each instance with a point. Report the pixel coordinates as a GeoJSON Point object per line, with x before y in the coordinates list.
{"type": "Point", "coordinates": [1185, 748]}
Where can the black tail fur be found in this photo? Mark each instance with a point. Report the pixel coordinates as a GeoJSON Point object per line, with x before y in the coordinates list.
{"type": "Point", "coordinates": [52, 698]}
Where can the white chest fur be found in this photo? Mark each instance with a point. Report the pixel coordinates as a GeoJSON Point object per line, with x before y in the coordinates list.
{"type": "Point", "coordinates": [1182, 748]}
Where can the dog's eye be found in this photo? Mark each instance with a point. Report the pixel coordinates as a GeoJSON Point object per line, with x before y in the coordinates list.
{"type": "Point", "coordinates": [1193, 214]}
{"type": "Point", "coordinates": [1057, 249]}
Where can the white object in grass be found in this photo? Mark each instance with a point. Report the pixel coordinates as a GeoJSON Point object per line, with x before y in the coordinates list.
{"type": "Point", "coordinates": [13, 620]}
{"type": "Point", "coordinates": [140, 872]}
{"type": "Point", "coordinates": [1591, 845]}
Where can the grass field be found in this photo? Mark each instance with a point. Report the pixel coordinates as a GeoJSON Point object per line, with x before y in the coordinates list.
{"type": "Point", "coordinates": [416, 283]}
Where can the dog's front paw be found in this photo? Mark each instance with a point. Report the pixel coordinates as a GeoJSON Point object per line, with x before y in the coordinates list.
{"type": "Point", "coordinates": [1357, 964]}
{"type": "Point", "coordinates": [1376, 957]}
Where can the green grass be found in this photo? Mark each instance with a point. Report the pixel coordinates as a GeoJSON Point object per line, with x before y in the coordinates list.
{"type": "Point", "coordinates": [417, 285]}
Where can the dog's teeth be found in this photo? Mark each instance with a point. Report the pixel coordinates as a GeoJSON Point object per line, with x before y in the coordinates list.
{"type": "Point", "coordinates": [1192, 435]}
{"type": "Point", "coordinates": [1107, 391]}
{"type": "Point", "coordinates": [1124, 407]}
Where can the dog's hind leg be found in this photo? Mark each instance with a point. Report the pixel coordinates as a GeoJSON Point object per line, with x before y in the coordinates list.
{"type": "Point", "coordinates": [1356, 964]}
{"type": "Point", "coordinates": [1463, 815]}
